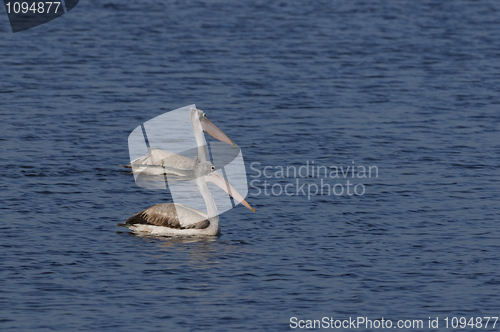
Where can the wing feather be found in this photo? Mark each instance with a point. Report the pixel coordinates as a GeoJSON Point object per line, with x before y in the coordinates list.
{"type": "Point", "coordinates": [160, 157]}
{"type": "Point", "coordinates": [166, 215]}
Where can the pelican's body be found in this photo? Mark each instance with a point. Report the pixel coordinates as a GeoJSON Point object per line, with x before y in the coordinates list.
{"type": "Point", "coordinates": [180, 220]}
{"type": "Point", "coordinates": [158, 161]}
{"type": "Point", "coordinates": [163, 219]}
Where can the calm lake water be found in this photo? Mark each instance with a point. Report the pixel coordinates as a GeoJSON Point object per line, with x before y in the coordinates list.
{"type": "Point", "coordinates": [409, 87]}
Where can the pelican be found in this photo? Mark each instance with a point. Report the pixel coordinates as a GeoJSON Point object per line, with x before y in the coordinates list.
{"type": "Point", "coordinates": [163, 219]}
{"type": "Point", "coordinates": [158, 161]}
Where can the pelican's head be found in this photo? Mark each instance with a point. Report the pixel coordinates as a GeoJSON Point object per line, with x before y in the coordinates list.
{"type": "Point", "coordinates": [202, 168]}
{"type": "Point", "coordinates": [209, 127]}
{"type": "Point", "coordinates": [206, 170]}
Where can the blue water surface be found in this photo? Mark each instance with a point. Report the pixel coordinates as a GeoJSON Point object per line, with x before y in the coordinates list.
{"type": "Point", "coordinates": [411, 87]}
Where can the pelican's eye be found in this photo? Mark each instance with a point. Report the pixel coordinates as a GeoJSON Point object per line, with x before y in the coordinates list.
{"type": "Point", "coordinates": [213, 168]}
{"type": "Point", "coordinates": [204, 115]}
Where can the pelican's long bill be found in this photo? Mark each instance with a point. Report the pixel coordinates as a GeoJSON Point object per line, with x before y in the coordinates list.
{"type": "Point", "coordinates": [213, 131]}
{"type": "Point", "coordinates": [219, 181]}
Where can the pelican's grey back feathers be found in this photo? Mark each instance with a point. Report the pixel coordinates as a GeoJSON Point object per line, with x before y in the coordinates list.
{"type": "Point", "coordinates": [166, 214]}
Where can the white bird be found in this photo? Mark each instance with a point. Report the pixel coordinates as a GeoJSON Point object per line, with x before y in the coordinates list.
{"type": "Point", "coordinates": [174, 219]}
{"type": "Point", "coordinates": [158, 161]}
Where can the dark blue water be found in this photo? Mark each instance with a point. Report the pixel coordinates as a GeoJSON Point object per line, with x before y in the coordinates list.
{"type": "Point", "coordinates": [409, 87]}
